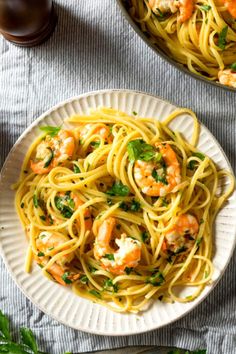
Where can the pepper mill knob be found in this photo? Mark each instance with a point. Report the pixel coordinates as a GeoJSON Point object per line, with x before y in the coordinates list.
{"type": "Point", "coordinates": [27, 22]}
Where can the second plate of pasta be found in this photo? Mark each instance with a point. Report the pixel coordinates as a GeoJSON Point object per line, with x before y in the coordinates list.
{"type": "Point", "coordinates": [123, 204]}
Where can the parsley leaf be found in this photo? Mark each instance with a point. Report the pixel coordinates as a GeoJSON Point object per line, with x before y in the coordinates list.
{"type": "Point", "coordinates": [192, 164]}
{"type": "Point", "coordinates": [118, 188]}
{"type": "Point", "coordinates": [84, 279]}
{"type": "Point", "coordinates": [158, 178]}
{"type": "Point", "coordinates": [95, 293]}
{"type": "Point", "coordinates": [66, 210]}
{"type": "Point", "coordinates": [144, 236]}
{"type": "Point", "coordinates": [4, 326]}
{"type": "Point", "coordinates": [50, 130]}
{"type": "Point", "coordinates": [95, 144]}
{"type": "Point", "coordinates": [35, 201]}
{"type": "Point", "coordinates": [108, 283]}
{"type": "Point", "coordinates": [28, 339]}
{"type": "Point", "coordinates": [124, 206]}
{"type": "Point", "coordinates": [205, 7]}
{"type": "Point", "coordinates": [65, 278]}
{"type": "Point", "coordinates": [76, 169]}
{"type": "Point", "coordinates": [156, 279]}
{"type": "Point", "coordinates": [128, 270]}
{"type": "Point", "coordinates": [139, 150]}
{"type": "Point", "coordinates": [49, 160]}
{"type": "Point", "coordinates": [135, 205]}
{"type": "Point", "coordinates": [222, 38]}
{"type": "Point", "coordinates": [41, 254]}
{"type": "Point", "coordinates": [109, 256]}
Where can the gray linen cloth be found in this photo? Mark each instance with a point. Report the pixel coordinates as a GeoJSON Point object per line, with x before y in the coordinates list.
{"type": "Point", "coordinates": [94, 48]}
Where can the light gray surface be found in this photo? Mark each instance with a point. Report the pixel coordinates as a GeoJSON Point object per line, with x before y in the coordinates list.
{"type": "Point", "coordinates": [94, 48]}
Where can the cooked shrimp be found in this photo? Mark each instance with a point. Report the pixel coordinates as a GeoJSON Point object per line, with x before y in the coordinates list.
{"type": "Point", "coordinates": [46, 242]}
{"type": "Point", "coordinates": [230, 5]}
{"type": "Point", "coordinates": [99, 129]}
{"type": "Point", "coordinates": [164, 6]}
{"type": "Point", "coordinates": [53, 151]}
{"type": "Point", "coordinates": [227, 77]}
{"type": "Point", "coordinates": [68, 203]}
{"type": "Point", "coordinates": [182, 235]}
{"type": "Point", "coordinates": [157, 179]}
{"type": "Point", "coordinates": [127, 255]}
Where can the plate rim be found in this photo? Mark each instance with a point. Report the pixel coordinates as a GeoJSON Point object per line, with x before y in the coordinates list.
{"type": "Point", "coordinates": [43, 308]}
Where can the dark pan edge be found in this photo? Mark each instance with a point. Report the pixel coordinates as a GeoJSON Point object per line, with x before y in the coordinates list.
{"type": "Point", "coordinates": [159, 52]}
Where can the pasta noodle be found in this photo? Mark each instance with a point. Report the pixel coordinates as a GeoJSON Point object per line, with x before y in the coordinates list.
{"type": "Point", "coordinates": [94, 222]}
{"type": "Point", "coordinates": [205, 41]}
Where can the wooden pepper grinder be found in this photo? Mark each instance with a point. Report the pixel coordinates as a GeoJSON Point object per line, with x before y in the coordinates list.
{"type": "Point", "coordinates": [27, 22]}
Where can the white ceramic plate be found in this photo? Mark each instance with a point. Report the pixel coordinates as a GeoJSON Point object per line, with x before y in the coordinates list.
{"type": "Point", "coordinates": [60, 302]}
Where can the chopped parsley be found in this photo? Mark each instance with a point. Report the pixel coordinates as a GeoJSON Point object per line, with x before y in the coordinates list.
{"type": "Point", "coordinates": [22, 205]}
{"type": "Point", "coordinates": [124, 206]}
{"type": "Point", "coordinates": [222, 38]}
{"type": "Point", "coordinates": [158, 178]}
{"type": "Point", "coordinates": [156, 279]}
{"type": "Point", "coordinates": [65, 278]}
{"type": "Point", "coordinates": [108, 283]}
{"type": "Point", "coordinates": [43, 217]}
{"type": "Point", "coordinates": [65, 204]}
{"type": "Point", "coordinates": [109, 202]}
{"type": "Point", "coordinates": [135, 113]}
{"type": "Point", "coordinates": [144, 236]}
{"type": "Point", "coordinates": [41, 254]}
{"type": "Point", "coordinates": [205, 7]}
{"type": "Point", "coordinates": [95, 293]}
{"type": "Point", "coordinates": [95, 144]}
{"type": "Point", "coordinates": [49, 160]}
{"type": "Point", "coordinates": [128, 270]}
{"type": "Point", "coordinates": [50, 130]}
{"type": "Point", "coordinates": [83, 279]}
{"type": "Point", "coordinates": [139, 150]}
{"type": "Point", "coordinates": [134, 206]}
{"type": "Point", "coordinates": [92, 269]}
{"type": "Point", "coordinates": [192, 164]}
{"type": "Point", "coordinates": [118, 188]}
{"type": "Point", "coordinates": [76, 169]}
{"type": "Point", "coordinates": [35, 201]}
{"type": "Point", "coordinates": [109, 256]}
{"type": "Point", "coordinates": [198, 241]}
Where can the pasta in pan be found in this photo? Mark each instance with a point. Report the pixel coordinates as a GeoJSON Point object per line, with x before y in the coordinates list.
{"type": "Point", "coordinates": [121, 208]}
{"type": "Point", "coordinates": [199, 34]}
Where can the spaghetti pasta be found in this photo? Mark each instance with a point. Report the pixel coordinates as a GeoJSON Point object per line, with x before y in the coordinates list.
{"type": "Point", "coordinates": [204, 40]}
{"type": "Point", "coordinates": [121, 208]}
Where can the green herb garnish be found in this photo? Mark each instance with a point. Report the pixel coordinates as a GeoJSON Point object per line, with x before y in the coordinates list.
{"type": "Point", "coordinates": [66, 210]}
{"type": "Point", "coordinates": [158, 178]}
{"type": "Point", "coordinates": [144, 236]}
{"type": "Point", "coordinates": [49, 160]}
{"type": "Point", "coordinates": [95, 293]}
{"type": "Point", "coordinates": [192, 164]}
{"type": "Point", "coordinates": [124, 206]}
{"type": "Point", "coordinates": [156, 279]}
{"type": "Point", "coordinates": [109, 256]}
{"type": "Point", "coordinates": [139, 150]}
{"type": "Point", "coordinates": [41, 254]}
{"type": "Point", "coordinates": [128, 270]}
{"type": "Point", "coordinates": [22, 205]}
{"type": "Point", "coordinates": [65, 278]}
{"type": "Point", "coordinates": [118, 188]}
{"type": "Point", "coordinates": [95, 144]}
{"type": "Point", "coordinates": [76, 169]}
{"type": "Point", "coordinates": [43, 217]}
{"type": "Point", "coordinates": [50, 130]}
{"type": "Point", "coordinates": [108, 283]}
{"type": "Point", "coordinates": [205, 7]}
{"type": "Point", "coordinates": [35, 201]}
{"type": "Point", "coordinates": [135, 205]}
{"type": "Point", "coordinates": [84, 279]}
{"type": "Point", "coordinates": [135, 113]}
{"type": "Point", "coordinates": [222, 38]}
